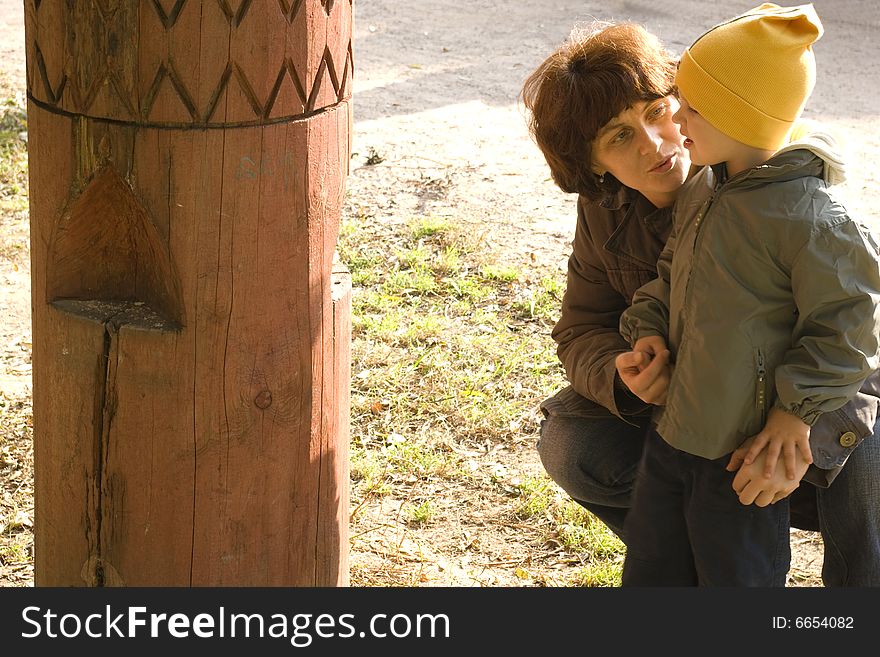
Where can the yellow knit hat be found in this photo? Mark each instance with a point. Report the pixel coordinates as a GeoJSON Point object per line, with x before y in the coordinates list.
{"type": "Point", "coordinates": [751, 76]}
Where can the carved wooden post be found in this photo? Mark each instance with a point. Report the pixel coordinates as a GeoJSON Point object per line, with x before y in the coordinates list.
{"type": "Point", "coordinates": [191, 366]}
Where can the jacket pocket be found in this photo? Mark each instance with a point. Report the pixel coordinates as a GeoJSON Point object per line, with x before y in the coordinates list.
{"type": "Point", "coordinates": [761, 386]}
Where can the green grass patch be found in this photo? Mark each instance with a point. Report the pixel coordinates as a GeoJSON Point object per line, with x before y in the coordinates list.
{"type": "Point", "coordinates": [418, 458]}
{"type": "Point", "coordinates": [13, 156]}
{"type": "Point", "coordinates": [500, 273]}
{"type": "Point", "coordinates": [602, 574]}
{"type": "Point", "coordinates": [536, 496]}
{"type": "Point", "coordinates": [437, 330]}
{"type": "Point", "coordinates": [421, 514]}
{"type": "Point", "coordinates": [15, 552]}
{"type": "Point", "coordinates": [581, 531]}
{"type": "Point", "coordinates": [422, 227]}
{"type": "Point", "coordinates": [542, 300]}
{"type": "Point", "coordinates": [451, 349]}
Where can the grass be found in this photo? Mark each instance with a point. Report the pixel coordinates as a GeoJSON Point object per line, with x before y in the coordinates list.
{"type": "Point", "coordinates": [13, 181]}
{"type": "Point", "coordinates": [422, 514]}
{"type": "Point", "coordinates": [437, 340]}
{"type": "Point", "coordinates": [13, 156]}
{"type": "Point", "coordinates": [536, 497]}
{"type": "Point", "coordinates": [16, 425]}
{"type": "Point", "coordinates": [450, 358]}
{"type": "Point", "coordinates": [16, 488]}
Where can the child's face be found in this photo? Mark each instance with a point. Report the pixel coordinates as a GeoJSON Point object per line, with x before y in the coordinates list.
{"type": "Point", "coordinates": [644, 150]}
{"type": "Point", "coordinates": [706, 144]}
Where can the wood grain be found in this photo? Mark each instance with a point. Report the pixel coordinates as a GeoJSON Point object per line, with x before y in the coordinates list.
{"type": "Point", "coordinates": [191, 357]}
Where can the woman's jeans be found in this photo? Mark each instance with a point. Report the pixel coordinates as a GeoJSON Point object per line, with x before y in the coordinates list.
{"type": "Point", "coordinates": [595, 461]}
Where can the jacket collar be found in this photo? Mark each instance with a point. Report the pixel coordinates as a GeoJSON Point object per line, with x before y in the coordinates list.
{"type": "Point", "coordinates": [630, 240]}
{"type": "Point", "coordinates": [616, 201]}
{"type": "Point", "coordinates": [787, 165]}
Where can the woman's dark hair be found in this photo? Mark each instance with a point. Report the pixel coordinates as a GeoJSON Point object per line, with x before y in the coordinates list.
{"type": "Point", "coordinates": [597, 73]}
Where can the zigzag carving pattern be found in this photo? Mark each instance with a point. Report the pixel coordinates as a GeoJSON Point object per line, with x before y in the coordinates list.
{"type": "Point", "coordinates": [169, 18]}
{"type": "Point", "coordinates": [62, 92]}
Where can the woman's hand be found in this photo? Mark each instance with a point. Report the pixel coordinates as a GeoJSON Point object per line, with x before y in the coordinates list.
{"type": "Point", "coordinates": [645, 370]}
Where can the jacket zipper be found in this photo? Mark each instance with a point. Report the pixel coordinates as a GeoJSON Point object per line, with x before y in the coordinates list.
{"type": "Point", "coordinates": [761, 387]}
{"type": "Point", "coordinates": [698, 220]}
{"type": "Point", "coordinates": [698, 233]}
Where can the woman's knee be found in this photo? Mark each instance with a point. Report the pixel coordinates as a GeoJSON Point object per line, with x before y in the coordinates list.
{"type": "Point", "coordinates": [592, 460]}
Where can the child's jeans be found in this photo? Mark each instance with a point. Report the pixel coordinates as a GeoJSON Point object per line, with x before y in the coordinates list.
{"type": "Point", "coordinates": [688, 528]}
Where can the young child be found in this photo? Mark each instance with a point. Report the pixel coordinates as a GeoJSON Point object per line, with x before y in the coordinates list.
{"type": "Point", "coordinates": [768, 297]}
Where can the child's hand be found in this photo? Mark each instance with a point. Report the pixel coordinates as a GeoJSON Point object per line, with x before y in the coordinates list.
{"type": "Point", "coordinates": [783, 432]}
{"type": "Point", "coordinates": [645, 370]}
{"type": "Point", "coordinates": [751, 484]}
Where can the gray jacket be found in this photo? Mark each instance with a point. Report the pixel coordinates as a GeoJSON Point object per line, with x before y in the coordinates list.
{"type": "Point", "coordinates": [771, 299]}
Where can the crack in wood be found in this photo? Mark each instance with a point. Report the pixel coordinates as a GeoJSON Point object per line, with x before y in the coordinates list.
{"type": "Point", "coordinates": [105, 410]}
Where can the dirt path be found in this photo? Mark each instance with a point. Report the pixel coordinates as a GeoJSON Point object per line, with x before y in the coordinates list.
{"type": "Point", "coordinates": [436, 96]}
{"type": "Point", "coordinates": [436, 88]}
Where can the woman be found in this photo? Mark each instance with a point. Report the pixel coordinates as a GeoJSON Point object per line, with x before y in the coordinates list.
{"type": "Point", "coordinates": [601, 111]}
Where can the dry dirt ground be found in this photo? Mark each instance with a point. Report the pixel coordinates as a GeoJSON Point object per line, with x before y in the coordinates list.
{"type": "Point", "coordinates": [436, 88]}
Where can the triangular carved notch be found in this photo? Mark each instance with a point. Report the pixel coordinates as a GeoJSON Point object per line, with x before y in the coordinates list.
{"type": "Point", "coordinates": [290, 9]}
{"type": "Point", "coordinates": [347, 74]}
{"type": "Point", "coordinates": [288, 70]}
{"type": "Point", "coordinates": [161, 73]}
{"type": "Point", "coordinates": [53, 95]}
{"type": "Point", "coordinates": [326, 66]}
{"type": "Point", "coordinates": [168, 18]}
{"type": "Point", "coordinates": [238, 15]}
{"type": "Point", "coordinates": [106, 249]}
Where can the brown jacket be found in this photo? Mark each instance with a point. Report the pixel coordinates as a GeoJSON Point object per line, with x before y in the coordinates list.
{"type": "Point", "coordinates": [615, 251]}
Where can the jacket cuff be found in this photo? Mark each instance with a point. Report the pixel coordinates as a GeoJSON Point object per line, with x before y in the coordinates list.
{"type": "Point", "coordinates": [626, 402]}
{"type": "Point", "coordinates": [820, 477]}
{"type": "Point", "coordinates": [808, 417]}
{"type": "Point", "coordinates": [837, 433]}
{"type": "Point", "coordinates": [643, 332]}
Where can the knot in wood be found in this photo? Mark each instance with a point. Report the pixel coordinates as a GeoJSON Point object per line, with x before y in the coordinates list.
{"type": "Point", "coordinates": [263, 399]}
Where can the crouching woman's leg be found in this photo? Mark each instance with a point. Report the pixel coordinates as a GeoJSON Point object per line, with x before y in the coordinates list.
{"type": "Point", "coordinates": [594, 461]}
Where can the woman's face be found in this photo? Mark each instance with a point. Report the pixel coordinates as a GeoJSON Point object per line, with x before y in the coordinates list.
{"type": "Point", "coordinates": [643, 148]}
